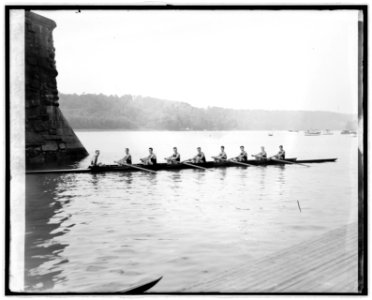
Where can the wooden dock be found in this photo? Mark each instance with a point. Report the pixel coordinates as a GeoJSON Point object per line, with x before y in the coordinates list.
{"type": "Point", "coordinates": [326, 264]}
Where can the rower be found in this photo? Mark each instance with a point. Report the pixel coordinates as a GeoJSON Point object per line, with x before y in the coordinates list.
{"type": "Point", "coordinates": [220, 157]}
{"type": "Point", "coordinates": [94, 161]}
{"type": "Point", "coordinates": [261, 155]}
{"type": "Point", "coordinates": [127, 159]}
{"type": "Point", "coordinates": [280, 154]}
{"type": "Point", "coordinates": [243, 156]}
{"type": "Point", "coordinates": [151, 159]}
{"type": "Point", "coordinates": [175, 158]}
{"type": "Point", "coordinates": [199, 157]}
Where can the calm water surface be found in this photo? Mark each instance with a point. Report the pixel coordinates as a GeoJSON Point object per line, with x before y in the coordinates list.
{"type": "Point", "coordinates": [103, 232]}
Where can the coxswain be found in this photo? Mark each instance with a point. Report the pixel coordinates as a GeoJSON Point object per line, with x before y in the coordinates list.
{"type": "Point", "coordinates": [127, 159]}
{"type": "Point", "coordinates": [222, 156]}
{"type": "Point", "coordinates": [243, 156]}
{"type": "Point", "coordinates": [94, 161]}
{"type": "Point", "coordinates": [261, 155]}
{"type": "Point", "coordinates": [280, 154]}
{"type": "Point", "coordinates": [175, 158]}
{"type": "Point", "coordinates": [151, 159]}
{"type": "Point", "coordinates": [199, 157]}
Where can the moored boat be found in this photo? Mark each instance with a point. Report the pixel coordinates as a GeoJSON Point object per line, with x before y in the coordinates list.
{"type": "Point", "coordinates": [312, 132]}
{"type": "Point", "coordinates": [180, 166]}
{"type": "Point", "coordinates": [345, 131]}
{"type": "Point", "coordinates": [327, 132]}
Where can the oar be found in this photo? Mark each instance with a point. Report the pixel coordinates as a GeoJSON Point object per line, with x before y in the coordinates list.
{"type": "Point", "coordinates": [191, 165]}
{"type": "Point", "coordinates": [240, 163]}
{"type": "Point", "coordinates": [135, 167]}
{"type": "Point", "coordinates": [186, 162]}
{"type": "Point", "coordinates": [289, 162]}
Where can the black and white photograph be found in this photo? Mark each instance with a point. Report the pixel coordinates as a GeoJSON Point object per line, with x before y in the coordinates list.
{"type": "Point", "coordinates": [179, 150]}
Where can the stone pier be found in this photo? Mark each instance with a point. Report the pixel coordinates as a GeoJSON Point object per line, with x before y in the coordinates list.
{"type": "Point", "coordinates": [49, 137]}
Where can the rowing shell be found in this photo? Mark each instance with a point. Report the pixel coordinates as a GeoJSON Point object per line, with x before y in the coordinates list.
{"type": "Point", "coordinates": [169, 167]}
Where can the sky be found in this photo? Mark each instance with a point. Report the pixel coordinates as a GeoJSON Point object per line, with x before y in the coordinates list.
{"type": "Point", "coordinates": [272, 60]}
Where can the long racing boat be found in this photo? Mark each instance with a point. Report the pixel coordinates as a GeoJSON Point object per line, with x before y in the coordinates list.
{"type": "Point", "coordinates": [180, 166]}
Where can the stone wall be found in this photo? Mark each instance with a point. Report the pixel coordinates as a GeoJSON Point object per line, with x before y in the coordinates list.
{"type": "Point", "coordinates": [49, 137]}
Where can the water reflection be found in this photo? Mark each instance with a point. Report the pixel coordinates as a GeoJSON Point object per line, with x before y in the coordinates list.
{"type": "Point", "coordinates": [222, 173]}
{"type": "Point", "coordinates": [152, 177]}
{"type": "Point", "coordinates": [198, 175]}
{"type": "Point", "coordinates": [43, 253]}
{"type": "Point", "coordinates": [262, 185]}
{"type": "Point", "coordinates": [281, 178]}
{"type": "Point", "coordinates": [126, 177]}
{"type": "Point", "coordinates": [95, 178]}
{"type": "Point", "coordinates": [175, 179]}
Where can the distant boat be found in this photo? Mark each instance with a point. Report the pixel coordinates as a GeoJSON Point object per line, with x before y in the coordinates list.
{"type": "Point", "coordinates": [345, 131]}
{"type": "Point", "coordinates": [312, 132]}
{"type": "Point", "coordinates": [270, 134]}
{"type": "Point", "coordinates": [327, 132]}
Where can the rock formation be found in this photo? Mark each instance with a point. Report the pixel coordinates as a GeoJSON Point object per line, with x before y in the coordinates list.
{"type": "Point", "coordinates": [49, 137]}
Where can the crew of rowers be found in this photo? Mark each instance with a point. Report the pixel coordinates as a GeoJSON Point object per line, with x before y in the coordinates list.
{"type": "Point", "coordinates": [175, 158]}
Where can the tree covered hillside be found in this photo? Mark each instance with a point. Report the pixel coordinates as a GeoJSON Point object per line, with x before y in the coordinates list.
{"type": "Point", "coordinates": [90, 111]}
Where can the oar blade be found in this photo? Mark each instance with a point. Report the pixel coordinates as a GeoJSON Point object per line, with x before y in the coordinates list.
{"type": "Point", "coordinates": [240, 163]}
{"type": "Point", "coordinates": [289, 162]}
{"type": "Point", "coordinates": [138, 168]}
{"type": "Point", "coordinates": [192, 165]}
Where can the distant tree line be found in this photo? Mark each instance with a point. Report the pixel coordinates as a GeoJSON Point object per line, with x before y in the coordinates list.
{"type": "Point", "coordinates": [92, 111]}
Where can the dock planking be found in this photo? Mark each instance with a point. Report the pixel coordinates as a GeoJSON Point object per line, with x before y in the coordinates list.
{"type": "Point", "coordinates": [325, 264]}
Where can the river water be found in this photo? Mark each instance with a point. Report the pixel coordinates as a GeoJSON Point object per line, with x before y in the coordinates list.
{"type": "Point", "coordinates": [104, 232]}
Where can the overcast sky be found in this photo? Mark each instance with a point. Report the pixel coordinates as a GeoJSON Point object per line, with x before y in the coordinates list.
{"type": "Point", "coordinates": [280, 60]}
